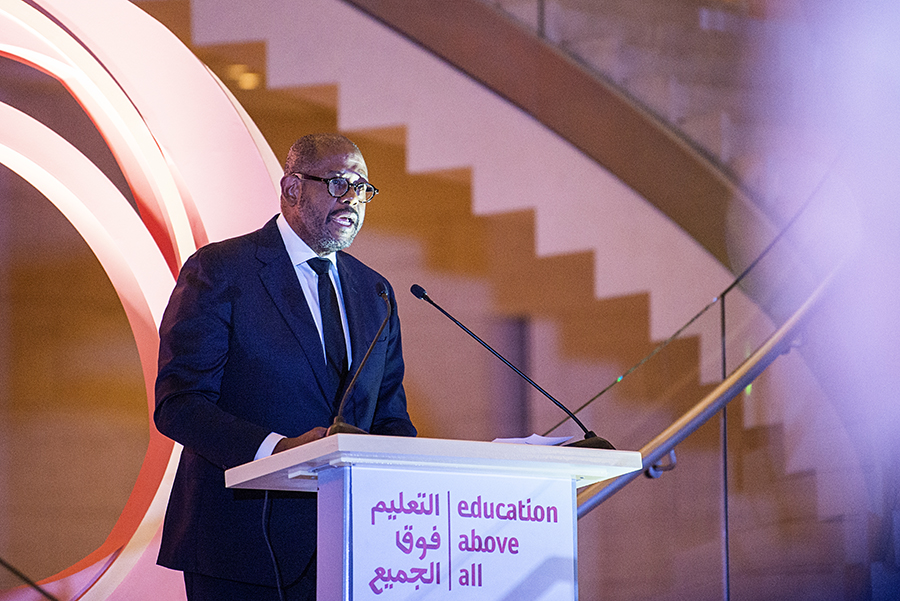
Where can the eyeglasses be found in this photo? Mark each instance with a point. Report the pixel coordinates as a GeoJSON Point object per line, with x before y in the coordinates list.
{"type": "Point", "coordinates": [339, 186]}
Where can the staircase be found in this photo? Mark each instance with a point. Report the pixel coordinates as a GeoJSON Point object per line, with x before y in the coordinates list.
{"type": "Point", "coordinates": [470, 247]}
{"type": "Point", "coordinates": [713, 69]}
{"type": "Point", "coordinates": [500, 219]}
{"type": "Point", "coordinates": [737, 86]}
{"type": "Point", "coordinates": [463, 205]}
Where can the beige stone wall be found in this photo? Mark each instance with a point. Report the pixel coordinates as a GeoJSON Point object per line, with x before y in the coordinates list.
{"type": "Point", "coordinates": [73, 409]}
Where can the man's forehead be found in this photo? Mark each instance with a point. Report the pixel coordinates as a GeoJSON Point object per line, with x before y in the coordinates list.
{"type": "Point", "coordinates": [343, 161]}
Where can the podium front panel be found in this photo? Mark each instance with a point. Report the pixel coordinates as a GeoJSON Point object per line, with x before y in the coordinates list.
{"type": "Point", "coordinates": [436, 534]}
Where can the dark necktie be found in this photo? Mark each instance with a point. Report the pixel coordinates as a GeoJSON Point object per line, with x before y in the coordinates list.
{"type": "Point", "coordinates": [332, 331]}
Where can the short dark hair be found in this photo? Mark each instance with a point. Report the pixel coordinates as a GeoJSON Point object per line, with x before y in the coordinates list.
{"type": "Point", "coordinates": [309, 149]}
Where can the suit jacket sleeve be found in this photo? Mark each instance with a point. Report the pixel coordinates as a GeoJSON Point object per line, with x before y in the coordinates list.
{"type": "Point", "coordinates": [194, 341]}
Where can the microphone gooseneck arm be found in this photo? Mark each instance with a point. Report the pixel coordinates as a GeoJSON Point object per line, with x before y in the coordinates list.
{"type": "Point", "coordinates": [420, 293]}
{"type": "Point", "coordinates": [382, 292]}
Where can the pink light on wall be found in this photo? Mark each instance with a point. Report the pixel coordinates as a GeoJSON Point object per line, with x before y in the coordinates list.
{"type": "Point", "coordinates": [197, 168]}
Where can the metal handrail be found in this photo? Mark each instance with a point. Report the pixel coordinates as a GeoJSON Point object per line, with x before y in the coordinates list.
{"type": "Point", "coordinates": [651, 453]}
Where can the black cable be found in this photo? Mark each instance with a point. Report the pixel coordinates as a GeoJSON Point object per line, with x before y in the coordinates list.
{"type": "Point", "coordinates": [265, 525]}
{"type": "Point", "coordinates": [27, 580]}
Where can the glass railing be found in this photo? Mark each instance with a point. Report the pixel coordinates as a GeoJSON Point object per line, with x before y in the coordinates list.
{"type": "Point", "coordinates": [671, 405]}
{"type": "Point", "coordinates": [694, 65]}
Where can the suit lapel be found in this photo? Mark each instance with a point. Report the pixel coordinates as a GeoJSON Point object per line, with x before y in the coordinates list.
{"type": "Point", "coordinates": [280, 281]}
{"type": "Point", "coordinates": [360, 305]}
{"type": "Point", "coordinates": [350, 292]}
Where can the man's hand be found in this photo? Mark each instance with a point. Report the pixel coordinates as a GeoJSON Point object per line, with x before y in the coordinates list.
{"type": "Point", "coordinates": [289, 443]}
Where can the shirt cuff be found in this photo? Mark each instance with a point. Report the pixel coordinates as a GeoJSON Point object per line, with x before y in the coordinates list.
{"type": "Point", "coordinates": [268, 445]}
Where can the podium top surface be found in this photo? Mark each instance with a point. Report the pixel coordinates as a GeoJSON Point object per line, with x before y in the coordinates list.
{"type": "Point", "coordinates": [297, 469]}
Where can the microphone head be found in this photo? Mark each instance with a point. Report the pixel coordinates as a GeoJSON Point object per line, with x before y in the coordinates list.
{"type": "Point", "coordinates": [418, 291]}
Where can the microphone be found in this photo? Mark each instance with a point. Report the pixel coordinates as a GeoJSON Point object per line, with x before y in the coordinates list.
{"type": "Point", "coordinates": [339, 426]}
{"type": "Point", "coordinates": [591, 440]}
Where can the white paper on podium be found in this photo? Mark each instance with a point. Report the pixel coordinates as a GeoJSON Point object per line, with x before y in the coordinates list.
{"type": "Point", "coordinates": [537, 439]}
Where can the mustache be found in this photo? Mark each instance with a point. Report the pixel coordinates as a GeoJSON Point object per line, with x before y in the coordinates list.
{"type": "Point", "coordinates": [343, 211]}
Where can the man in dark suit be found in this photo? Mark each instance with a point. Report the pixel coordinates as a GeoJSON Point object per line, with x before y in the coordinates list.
{"type": "Point", "coordinates": [254, 359]}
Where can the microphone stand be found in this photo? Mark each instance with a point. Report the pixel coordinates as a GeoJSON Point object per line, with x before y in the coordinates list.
{"type": "Point", "coordinates": [591, 440]}
{"type": "Point", "coordinates": [339, 426]}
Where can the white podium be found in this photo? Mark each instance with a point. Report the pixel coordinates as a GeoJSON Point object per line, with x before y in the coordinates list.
{"type": "Point", "coordinates": [418, 518]}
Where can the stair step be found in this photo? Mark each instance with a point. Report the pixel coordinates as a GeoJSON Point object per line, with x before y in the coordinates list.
{"type": "Point", "coordinates": [705, 67]}
{"type": "Point", "coordinates": [578, 16]}
{"type": "Point", "coordinates": [523, 11]}
{"type": "Point", "coordinates": [609, 53]}
{"type": "Point", "coordinates": [663, 25]}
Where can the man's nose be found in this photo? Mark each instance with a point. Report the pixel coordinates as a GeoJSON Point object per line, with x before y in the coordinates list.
{"type": "Point", "coordinates": [352, 197]}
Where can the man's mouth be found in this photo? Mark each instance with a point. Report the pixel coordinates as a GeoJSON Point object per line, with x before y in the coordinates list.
{"type": "Point", "coordinates": [345, 218]}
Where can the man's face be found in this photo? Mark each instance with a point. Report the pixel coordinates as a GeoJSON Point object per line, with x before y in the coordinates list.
{"type": "Point", "coordinates": [325, 223]}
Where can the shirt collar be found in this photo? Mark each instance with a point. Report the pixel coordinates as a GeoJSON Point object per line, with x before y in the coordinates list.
{"type": "Point", "coordinates": [298, 250]}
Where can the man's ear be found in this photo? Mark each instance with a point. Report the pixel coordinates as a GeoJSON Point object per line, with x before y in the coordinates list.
{"type": "Point", "coordinates": [290, 189]}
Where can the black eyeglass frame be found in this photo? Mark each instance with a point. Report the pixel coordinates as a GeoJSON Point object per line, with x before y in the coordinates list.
{"type": "Point", "coordinates": [362, 188]}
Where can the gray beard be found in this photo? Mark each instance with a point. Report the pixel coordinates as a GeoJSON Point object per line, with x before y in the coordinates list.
{"type": "Point", "coordinates": [330, 245]}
